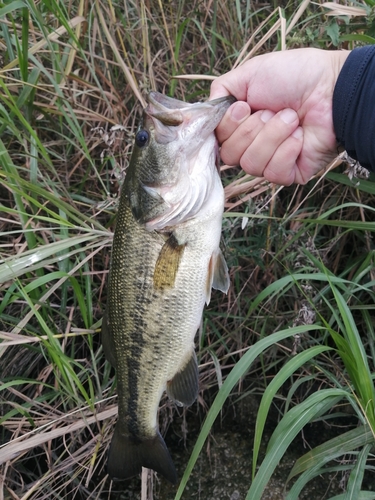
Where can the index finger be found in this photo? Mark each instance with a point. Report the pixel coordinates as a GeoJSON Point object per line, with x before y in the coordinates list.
{"type": "Point", "coordinates": [235, 115]}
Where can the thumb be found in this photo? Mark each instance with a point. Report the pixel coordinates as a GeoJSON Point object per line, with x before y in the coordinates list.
{"type": "Point", "coordinates": [234, 83]}
{"type": "Point", "coordinates": [218, 90]}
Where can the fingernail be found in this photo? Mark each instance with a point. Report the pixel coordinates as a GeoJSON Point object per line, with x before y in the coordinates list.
{"type": "Point", "coordinates": [298, 133]}
{"type": "Point", "coordinates": [288, 115]}
{"type": "Point", "coordinates": [239, 111]}
{"type": "Point", "coordinates": [266, 115]}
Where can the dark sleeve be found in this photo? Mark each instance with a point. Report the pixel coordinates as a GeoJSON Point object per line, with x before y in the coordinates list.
{"type": "Point", "coordinates": [354, 106]}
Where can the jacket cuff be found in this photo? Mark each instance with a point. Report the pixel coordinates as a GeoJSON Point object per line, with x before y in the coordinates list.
{"type": "Point", "coordinates": [353, 106]}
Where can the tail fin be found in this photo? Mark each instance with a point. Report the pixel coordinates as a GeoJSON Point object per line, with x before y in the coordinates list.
{"type": "Point", "coordinates": [128, 455]}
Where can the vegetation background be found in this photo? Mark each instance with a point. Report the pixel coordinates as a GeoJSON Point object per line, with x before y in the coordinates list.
{"type": "Point", "coordinates": [296, 331]}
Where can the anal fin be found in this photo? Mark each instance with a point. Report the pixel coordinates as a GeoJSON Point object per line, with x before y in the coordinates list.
{"type": "Point", "coordinates": [183, 388]}
{"type": "Point", "coordinates": [127, 456]}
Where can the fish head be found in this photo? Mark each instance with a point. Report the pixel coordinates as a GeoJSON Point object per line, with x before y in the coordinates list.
{"type": "Point", "coordinates": [173, 166]}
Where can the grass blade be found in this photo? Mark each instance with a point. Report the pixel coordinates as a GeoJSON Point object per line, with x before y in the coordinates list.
{"type": "Point", "coordinates": [333, 448]}
{"type": "Point", "coordinates": [237, 372]}
{"type": "Point", "coordinates": [290, 425]}
{"type": "Point", "coordinates": [286, 371]}
{"type": "Point", "coordinates": [356, 476]}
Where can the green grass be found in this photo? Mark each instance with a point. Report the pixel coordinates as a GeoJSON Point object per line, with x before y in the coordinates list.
{"type": "Point", "coordinates": [296, 327]}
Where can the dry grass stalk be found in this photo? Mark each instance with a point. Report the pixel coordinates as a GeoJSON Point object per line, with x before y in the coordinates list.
{"type": "Point", "coordinates": [297, 16]}
{"type": "Point", "coordinates": [129, 77]}
{"type": "Point", "coordinates": [24, 443]}
{"type": "Point", "coordinates": [52, 37]}
{"type": "Point", "coordinates": [21, 325]}
{"type": "Point", "coordinates": [336, 9]}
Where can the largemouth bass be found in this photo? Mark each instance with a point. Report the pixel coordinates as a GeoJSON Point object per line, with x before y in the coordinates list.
{"type": "Point", "coordinates": [165, 260]}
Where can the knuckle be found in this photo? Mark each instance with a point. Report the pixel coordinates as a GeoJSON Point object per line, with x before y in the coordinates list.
{"type": "Point", "coordinates": [250, 166]}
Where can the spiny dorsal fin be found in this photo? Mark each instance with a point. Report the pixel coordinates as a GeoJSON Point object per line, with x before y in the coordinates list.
{"type": "Point", "coordinates": [183, 388]}
{"type": "Point", "coordinates": [218, 276]}
{"type": "Point", "coordinates": [168, 263]}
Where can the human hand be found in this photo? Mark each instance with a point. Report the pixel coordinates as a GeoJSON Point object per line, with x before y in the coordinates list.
{"type": "Point", "coordinates": [281, 127]}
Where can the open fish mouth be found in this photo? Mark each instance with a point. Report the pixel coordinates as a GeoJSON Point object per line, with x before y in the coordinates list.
{"type": "Point", "coordinates": [171, 112]}
{"type": "Point", "coordinates": [161, 100]}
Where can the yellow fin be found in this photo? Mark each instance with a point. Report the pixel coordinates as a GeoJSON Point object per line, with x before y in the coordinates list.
{"type": "Point", "coordinates": [167, 264]}
{"type": "Point", "coordinates": [218, 276]}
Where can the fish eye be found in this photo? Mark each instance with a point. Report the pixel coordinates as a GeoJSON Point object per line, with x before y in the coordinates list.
{"type": "Point", "coordinates": [141, 138]}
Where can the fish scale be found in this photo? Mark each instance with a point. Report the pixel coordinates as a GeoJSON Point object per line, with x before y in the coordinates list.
{"type": "Point", "coordinates": [165, 258]}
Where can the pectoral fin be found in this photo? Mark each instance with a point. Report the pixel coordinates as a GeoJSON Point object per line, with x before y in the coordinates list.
{"type": "Point", "coordinates": [183, 388]}
{"type": "Point", "coordinates": [218, 276]}
{"type": "Point", "coordinates": [167, 264]}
